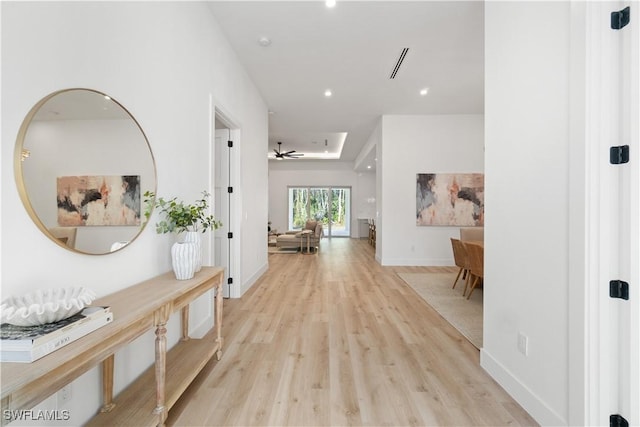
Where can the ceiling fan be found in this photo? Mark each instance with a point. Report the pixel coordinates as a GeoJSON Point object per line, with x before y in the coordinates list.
{"type": "Point", "coordinates": [285, 155]}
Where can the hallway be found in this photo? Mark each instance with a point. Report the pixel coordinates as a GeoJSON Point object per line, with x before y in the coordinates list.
{"type": "Point", "coordinates": [335, 339]}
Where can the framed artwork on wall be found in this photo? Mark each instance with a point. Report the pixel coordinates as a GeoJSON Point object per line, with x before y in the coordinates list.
{"type": "Point", "coordinates": [98, 200]}
{"type": "Point", "coordinates": [452, 199]}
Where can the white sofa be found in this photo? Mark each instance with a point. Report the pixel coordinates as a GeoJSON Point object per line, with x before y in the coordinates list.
{"type": "Point", "coordinates": [295, 239]}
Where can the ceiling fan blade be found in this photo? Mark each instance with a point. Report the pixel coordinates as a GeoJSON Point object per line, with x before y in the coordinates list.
{"type": "Point", "coordinates": [286, 154]}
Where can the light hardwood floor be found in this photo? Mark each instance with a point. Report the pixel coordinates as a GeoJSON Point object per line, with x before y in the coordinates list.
{"type": "Point", "coordinates": [334, 339]}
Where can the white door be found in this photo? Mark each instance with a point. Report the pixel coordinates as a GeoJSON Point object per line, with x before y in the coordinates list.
{"type": "Point", "coordinates": [633, 382]}
{"type": "Point", "coordinates": [627, 180]}
{"type": "Point", "coordinates": [618, 74]}
{"type": "Point", "coordinates": [222, 247]}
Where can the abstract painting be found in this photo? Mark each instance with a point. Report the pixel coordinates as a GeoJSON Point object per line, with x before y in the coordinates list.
{"type": "Point", "coordinates": [450, 199]}
{"type": "Point", "coordinates": [98, 200]}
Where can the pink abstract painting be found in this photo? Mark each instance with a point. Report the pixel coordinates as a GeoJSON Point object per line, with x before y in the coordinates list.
{"type": "Point", "coordinates": [450, 199]}
{"type": "Point", "coordinates": [98, 200]}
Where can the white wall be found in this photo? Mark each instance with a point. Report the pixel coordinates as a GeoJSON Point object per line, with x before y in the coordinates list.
{"type": "Point", "coordinates": [364, 205]}
{"type": "Point", "coordinates": [163, 61]}
{"type": "Point", "coordinates": [527, 83]}
{"type": "Point", "coordinates": [421, 144]}
{"type": "Point", "coordinates": [376, 139]}
{"type": "Point", "coordinates": [319, 173]}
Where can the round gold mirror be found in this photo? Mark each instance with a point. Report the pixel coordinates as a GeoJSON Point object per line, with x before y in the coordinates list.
{"type": "Point", "coordinates": [82, 163]}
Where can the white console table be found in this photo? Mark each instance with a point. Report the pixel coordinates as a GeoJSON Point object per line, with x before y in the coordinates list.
{"type": "Point", "coordinates": [136, 309]}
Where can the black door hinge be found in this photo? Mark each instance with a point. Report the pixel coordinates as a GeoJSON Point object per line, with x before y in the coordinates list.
{"type": "Point", "coordinates": [230, 281]}
{"type": "Point", "coordinates": [619, 155]}
{"type": "Point", "coordinates": [230, 235]}
{"type": "Point", "coordinates": [229, 189]}
{"type": "Point", "coordinates": [616, 420]}
{"type": "Point", "coordinates": [230, 144]}
{"type": "Point", "coordinates": [621, 18]}
{"type": "Point", "coordinates": [619, 289]}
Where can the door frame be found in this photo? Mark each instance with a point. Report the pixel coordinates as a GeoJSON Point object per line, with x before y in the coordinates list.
{"type": "Point", "coordinates": [604, 356]}
{"type": "Point", "coordinates": [218, 112]}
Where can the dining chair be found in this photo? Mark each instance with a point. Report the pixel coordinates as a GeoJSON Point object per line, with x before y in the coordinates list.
{"type": "Point", "coordinates": [373, 233]}
{"type": "Point", "coordinates": [66, 235]}
{"type": "Point", "coordinates": [475, 252]}
{"type": "Point", "coordinates": [462, 260]}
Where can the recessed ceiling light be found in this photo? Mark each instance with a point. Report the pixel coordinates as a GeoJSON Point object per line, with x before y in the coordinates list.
{"type": "Point", "coordinates": [330, 3]}
{"type": "Point", "coordinates": [328, 93]}
{"type": "Point", "coordinates": [264, 41]}
{"type": "Point", "coordinates": [368, 166]}
{"type": "Point", "coordinates": [424, 91]}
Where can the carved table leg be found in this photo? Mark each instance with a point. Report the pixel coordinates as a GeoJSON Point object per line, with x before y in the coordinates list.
{"type": "Point", "coordinates": [6, 404]}
{"type": "Point", "coordinates": [107, 384]}
{"type": "Point", "coordinates": [185, 323]}
{"type": "Point", "coordinates": [160, 319]}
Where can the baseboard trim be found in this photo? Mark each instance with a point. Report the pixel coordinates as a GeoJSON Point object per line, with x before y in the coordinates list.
{"type": "Point", "coordinates": [253, 279]}
{"type": "Point", "coordinates": [201, 330]}
{"type": "Point", "coordinates": [531, 403]}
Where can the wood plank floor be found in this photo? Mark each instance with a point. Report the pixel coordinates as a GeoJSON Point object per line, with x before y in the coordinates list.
{"type": "Point", "coordinates": [334, 339]}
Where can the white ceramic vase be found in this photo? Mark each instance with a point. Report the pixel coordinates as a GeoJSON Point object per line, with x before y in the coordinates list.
{"type": "Point", "coordinates": [183, 258]}
{"type": "Point", "coordinates": [194, 237]}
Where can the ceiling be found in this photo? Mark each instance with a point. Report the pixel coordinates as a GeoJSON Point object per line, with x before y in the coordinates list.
{"type": "Point", "coordinates": [352, 50]}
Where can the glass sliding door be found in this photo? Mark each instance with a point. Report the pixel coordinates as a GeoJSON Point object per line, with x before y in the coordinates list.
{"type": "Point", "coordinates": [329, 205]}
{"type": "Point", "coordinates": [298, 207]}
{"type": "Point", "coordinates": [319, 206]}
{"type": "Point", "coordinates": [340, 212]}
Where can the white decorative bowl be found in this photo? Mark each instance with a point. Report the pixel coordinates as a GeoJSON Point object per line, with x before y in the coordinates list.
{"type": "Point", "coordinates": [44, 306]}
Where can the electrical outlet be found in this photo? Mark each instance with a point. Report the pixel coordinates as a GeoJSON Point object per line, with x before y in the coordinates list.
{"type": "Point", "coordinates": [64, 395]}
{"type": "Point", "coordinates": [523, 343]}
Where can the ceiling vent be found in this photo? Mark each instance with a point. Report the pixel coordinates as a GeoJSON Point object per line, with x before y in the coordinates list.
{"type": "Point", "coordinates": [399, 63]}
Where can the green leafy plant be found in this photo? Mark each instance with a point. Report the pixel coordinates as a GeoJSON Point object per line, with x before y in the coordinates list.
{"type": "Point", "coordinates": [179, 216]}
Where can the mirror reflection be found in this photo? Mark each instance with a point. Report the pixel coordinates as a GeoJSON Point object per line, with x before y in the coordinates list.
{"type": "Point", "coordinates": [82, 164]}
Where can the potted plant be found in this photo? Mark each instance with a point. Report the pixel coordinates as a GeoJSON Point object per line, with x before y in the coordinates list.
{"type": "Point", "coordinates": [183, 219]}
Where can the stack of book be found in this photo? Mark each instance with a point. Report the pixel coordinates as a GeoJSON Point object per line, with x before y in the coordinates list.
{"type": "Point", "coordinates": [29, 343]}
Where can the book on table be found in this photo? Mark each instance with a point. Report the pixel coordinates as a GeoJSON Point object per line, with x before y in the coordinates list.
{"type": "Point", "coordinates": [29, 343]}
